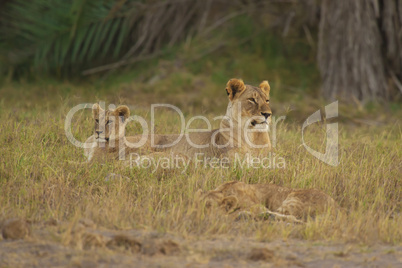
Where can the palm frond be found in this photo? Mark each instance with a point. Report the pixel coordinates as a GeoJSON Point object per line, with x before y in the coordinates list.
{"type": "Point", "coordinates": [68, 36]}
{"type": "Point", "coordinates": [62, 34]}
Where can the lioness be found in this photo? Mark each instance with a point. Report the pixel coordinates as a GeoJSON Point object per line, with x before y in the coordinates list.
{"type": "Point", "coordinates": [257, 199]}
{"type": "Point", "coordinates": [109, 129]}
{"type": "Point", "coordinates": [244, 127]}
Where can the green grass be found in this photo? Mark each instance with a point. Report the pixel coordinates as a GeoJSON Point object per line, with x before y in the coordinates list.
{"type": "Point", "coordinates": [38, 182]}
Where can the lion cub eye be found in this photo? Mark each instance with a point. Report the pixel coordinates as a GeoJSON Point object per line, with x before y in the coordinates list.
{"type": "Point", "coordinates": [108, 121]}
{"type": "Point", "coordinates": [267, 101]}
{"type": "Point", "coordinates": [252, 100]}
{"type": "Point", "coordinates": [97, 120]}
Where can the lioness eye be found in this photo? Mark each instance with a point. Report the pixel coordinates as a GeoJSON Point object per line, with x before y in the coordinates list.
{"type": "Point", "coordinates": [108, 121]}
{"type": "Point", "coordinates": [252, 100]}
{"type": "Point", "coordinates": [268, 101]}
{"type": "Point", "coordinates": [97, 120]}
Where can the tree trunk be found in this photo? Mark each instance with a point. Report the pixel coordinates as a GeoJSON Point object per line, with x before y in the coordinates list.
{"type": "Point", "coordinates": [359, 52]}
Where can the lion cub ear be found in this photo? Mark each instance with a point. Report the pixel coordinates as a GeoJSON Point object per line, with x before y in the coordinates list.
{"type": "Point", "coordinates": [122, 111]}
{"type": "Point", "coordinates": [265, 87]}
{"type": "Point", "coordinates": [229, 203]}
{"type": "Point", "coordinates": [95, 110]}
{"type": "Point", "coordinates": [234, 87]}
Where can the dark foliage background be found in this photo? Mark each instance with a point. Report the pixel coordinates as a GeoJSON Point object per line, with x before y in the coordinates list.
{"type": "Point", "coordinates": [357, 43]}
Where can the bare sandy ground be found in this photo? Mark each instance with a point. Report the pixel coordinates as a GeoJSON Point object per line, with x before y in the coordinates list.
{"type": "Point", "coordinates": [83, 245]}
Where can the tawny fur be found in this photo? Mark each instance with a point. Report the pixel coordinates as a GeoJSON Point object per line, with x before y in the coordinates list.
{"type": "Point", "coordinates": [248, 108]}
{"type": "Point", "coordinates": [269, 198]}
{"type": "Point", "coordinates": [109, 131]}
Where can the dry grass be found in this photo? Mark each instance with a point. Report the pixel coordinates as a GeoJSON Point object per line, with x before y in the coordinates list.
{"type": "Point", "coordinates": [38, 183]}
{"type": "Point", "coordinates": [108, 214]}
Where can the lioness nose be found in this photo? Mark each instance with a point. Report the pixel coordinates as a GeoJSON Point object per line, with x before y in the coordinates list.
{"type": "Point", "coordinates": [266, 115]}
{"type": "Point", "coordinates": [98, 132]}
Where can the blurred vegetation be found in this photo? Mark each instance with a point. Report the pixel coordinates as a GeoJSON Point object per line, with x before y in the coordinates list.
{"type": "Point", "coordinates": [57, 36]}
{"type": "Point", "coordinates": [64, 38]}
{"type": "Point", "coordinates": [78, 40]}
{"type": "Point", "coordinates": [47, 42]}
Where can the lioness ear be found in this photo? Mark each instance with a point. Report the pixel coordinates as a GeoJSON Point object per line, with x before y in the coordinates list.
{"type": "Point", "coordinates": [229, 202]}
{"type": "Point", "coordinates": [265, 87]}
{"type": "Point", "coordinates": [234, 87]}
{"type": "Point", "coordinates": [95, 110]}
{"type": "Point", "coordinates": [122, 111]}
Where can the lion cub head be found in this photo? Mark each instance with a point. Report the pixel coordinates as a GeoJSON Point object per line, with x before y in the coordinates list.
{"type": "Point", "coordinates": [229, 196]}
{"type": "Point", "coordinates": [249, 104]}
{"type": "Point", "coordinates": [217, 199]}
{"type": "Point", "coordinates": [109, 124]}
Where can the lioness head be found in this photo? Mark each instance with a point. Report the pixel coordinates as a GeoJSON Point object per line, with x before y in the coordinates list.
{"type": "Point", "coordinates": [249, 104]}
{"type": "Point", "coordinates": [109, 124]}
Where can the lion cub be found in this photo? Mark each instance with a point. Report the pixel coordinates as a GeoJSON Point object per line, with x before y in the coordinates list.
{"type": "Point", "coordinates": [258, 199]}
